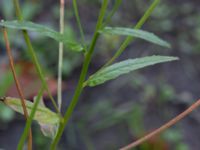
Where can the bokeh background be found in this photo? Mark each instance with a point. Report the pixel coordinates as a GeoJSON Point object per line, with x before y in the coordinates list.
{"type": "Point", "coordinates": [112, 115]}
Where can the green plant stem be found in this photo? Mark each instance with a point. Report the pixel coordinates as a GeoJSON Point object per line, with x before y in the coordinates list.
{"type": "Point", "coordinates": [112, 12]}
{"type": "Point", "coordinates": [38, 68]}
{"type": "Point", "coordinates": [30, 119]}
{"type": "Point", "coordinates": [84, 71]}
{"type": "Point", "coordinates": [18, 10]}
{"type": "Point", "coordinates": [60, 57]}
{"type": "Point", "coordinates": [130, 39]}
{"type": "Point", "coordinates": [33, 55]}
{"type": "Point", "coordinates": [78, 21]}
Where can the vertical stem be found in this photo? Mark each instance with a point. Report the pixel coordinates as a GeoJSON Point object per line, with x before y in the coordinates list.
{"type": "Point", "coordinates": [19, 89]}
{"type": "Point", "coordinates": [17, 10]}
{"type": "Point", "coordinates": [30, 119]}
{"type": "Point", "coordinates": [112, 12]}
{"type": "Point", "coordinates": [33, 55]}
{"type": "Point", "coordinates": [60, 59]}
{"type": "Point", "coordinates": [38, 69]}
{"type": "Point", "coordinates": [78, 21]}
{"type": "Point", "coordinates": [84, 71]}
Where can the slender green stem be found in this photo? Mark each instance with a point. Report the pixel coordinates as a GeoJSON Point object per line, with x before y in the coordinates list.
{"type": "Point", "coordinates": [33, 55]}
{"type": "Point", "coordinates": [38, 68]}
{"type": "Point", "coordinates": [18, 10]}
{"type": "Point", "coordinates": [147, 14]}
{"type": "Point", "coordinates": [78, 21]}
{"type": "Point", "coordinates": [129, 38]}
{"type": "Point", "coordinates": [84, 71]}
{"type": "Point", "coordinates": [113, 11]}
{"type": "Point", "coordinates": [30, 119]}
{"type": "Point", "coordinates": [60, 58]}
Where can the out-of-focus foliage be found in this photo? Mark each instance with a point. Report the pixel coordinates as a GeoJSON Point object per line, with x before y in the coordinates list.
{"type": "Point", "coordinates": [6, 114]}
{"type": "Point", "coordinates": [142, 94]}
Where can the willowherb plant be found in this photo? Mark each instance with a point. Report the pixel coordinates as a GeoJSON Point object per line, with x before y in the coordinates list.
{"type": "Point", "coordinates": [53, 123]}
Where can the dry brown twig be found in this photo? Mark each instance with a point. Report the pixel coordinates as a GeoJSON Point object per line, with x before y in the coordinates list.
{"type": "Point", "coordinates": [18, 86]}
{"type": "Point", "coordinates": [164, 127]}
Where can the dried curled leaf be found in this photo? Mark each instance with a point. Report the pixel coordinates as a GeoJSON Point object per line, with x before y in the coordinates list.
{"type": "Point", "coordinates": [47, 119]}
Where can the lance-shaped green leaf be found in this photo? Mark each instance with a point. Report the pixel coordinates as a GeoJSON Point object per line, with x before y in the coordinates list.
{"type": "Point", "coordinates": [147, 36]}
{"type": "Point", "coordinates": [47, 119]}
{"type": "Point", "coordinates": [124, 67]}
{"type": "Point", "coordinates": [43, 30]}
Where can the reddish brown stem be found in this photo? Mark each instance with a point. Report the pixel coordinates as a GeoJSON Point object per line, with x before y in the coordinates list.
{"type": "Point", "coordinates": [164, 127]}
{"type": "Point", "coordinates": [19, 89]}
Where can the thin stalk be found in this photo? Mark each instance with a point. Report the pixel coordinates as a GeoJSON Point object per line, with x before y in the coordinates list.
{"type": "Point", "coordinates": [164, 127]}
{"type": "Point", "coordinates": [38, 68]}
{"type": "Point", "coordinates": [83, 74]}
{"type": "Point", "coordinates": [33, 55]}
{"type": "Point", "coordinates": [113, 11]}
{"type": "Point", "coordinates": [129, 38]}
{"type": "Point", "coordinates": [19, 89]}
{"type": "Point", "coordinates": [60, 58]}
{"type": "Point", "coordinates": [30, 119]}
{"type": "Point", "coordinates": [78, 21]}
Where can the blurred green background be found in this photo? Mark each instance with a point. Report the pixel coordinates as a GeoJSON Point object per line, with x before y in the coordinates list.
{"type": "Point", "coordinates": [114, 114]}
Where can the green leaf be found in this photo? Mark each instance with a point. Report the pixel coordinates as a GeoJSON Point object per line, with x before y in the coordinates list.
{"type": "Point", "coordinates": [43, 30]}
{"type": "Point", "coordinates": [147, 36]}
{"type": "Point", "coordinates": [125, 67]}
{"type": "Point", "coordinates": [47, 119]}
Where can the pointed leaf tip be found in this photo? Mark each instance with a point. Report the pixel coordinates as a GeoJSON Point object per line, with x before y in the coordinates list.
{"type": "Point", "coordinates": [124, 67]}
{"type": "Point", "coordinates": [147, 36]}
